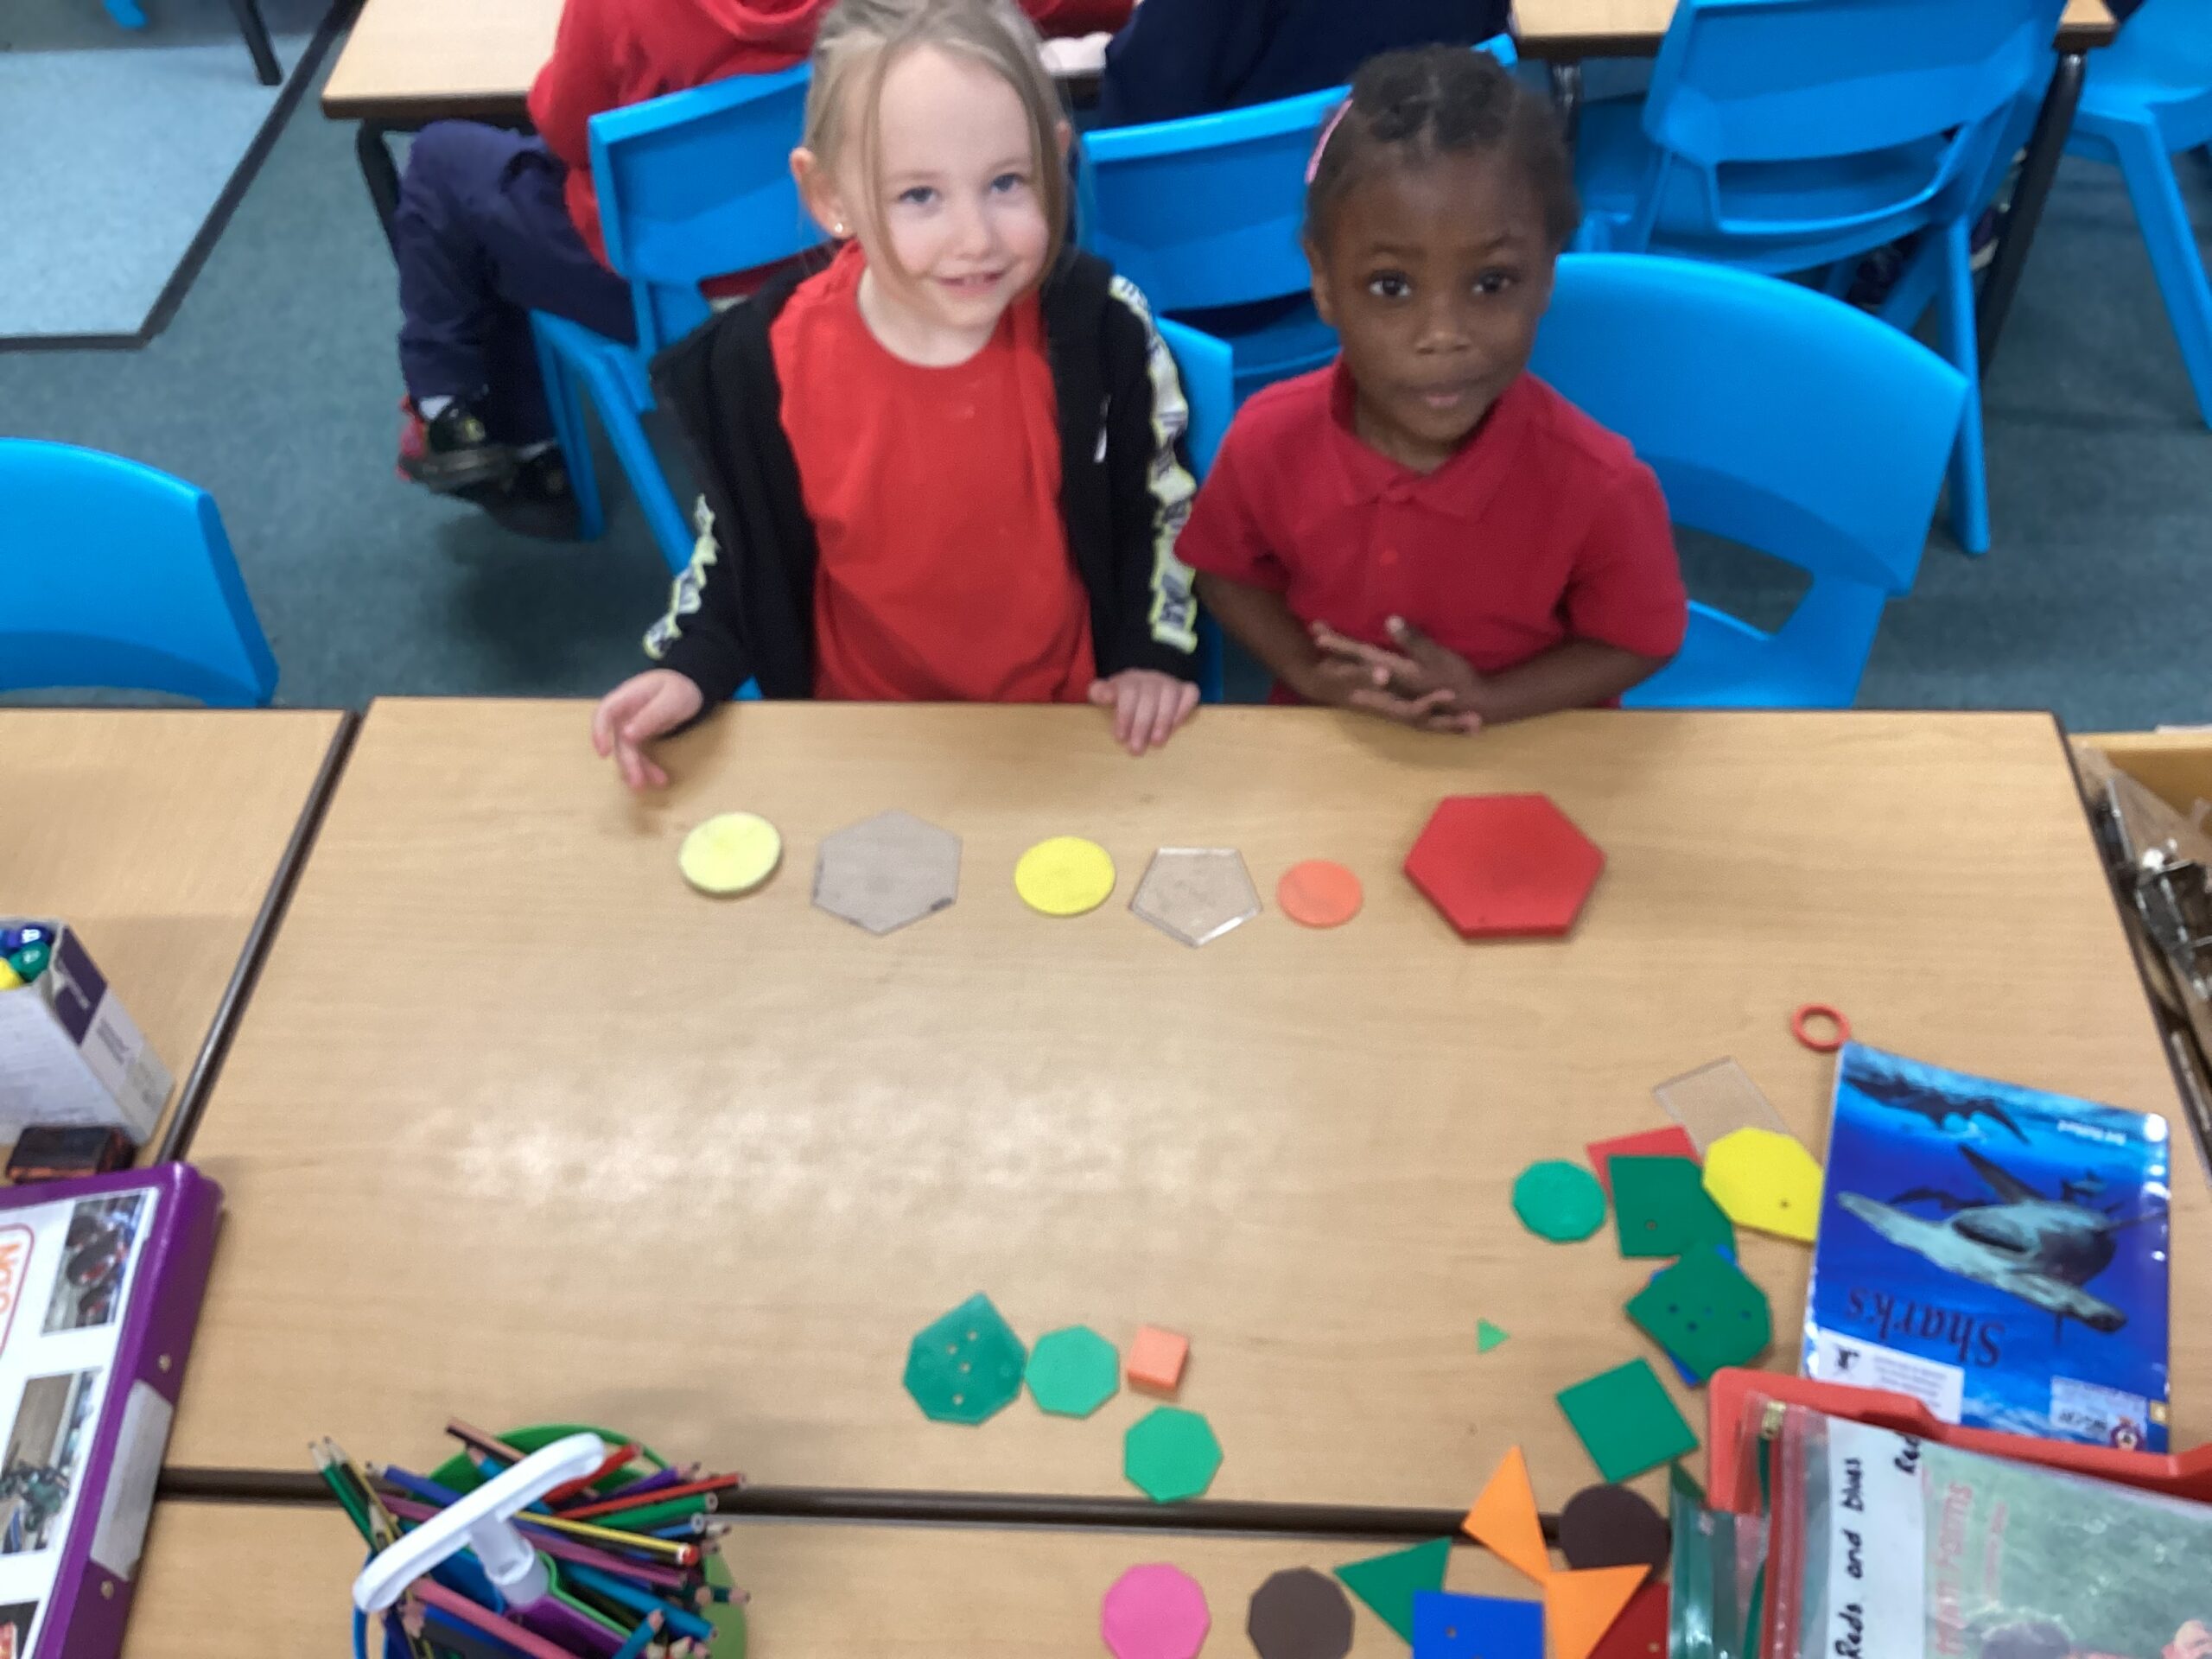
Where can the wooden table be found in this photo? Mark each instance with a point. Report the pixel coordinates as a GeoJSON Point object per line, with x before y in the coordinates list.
{"type": "Point", "coordinates": [161, 834]}
{"type": "Point", "coordinates": [519, 1127]}
{"type": "Point", "coordinates": [224, 1580]}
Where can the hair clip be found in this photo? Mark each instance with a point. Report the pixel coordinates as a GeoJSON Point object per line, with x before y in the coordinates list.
{"type": "Point", "coordinates": [1328, 131]}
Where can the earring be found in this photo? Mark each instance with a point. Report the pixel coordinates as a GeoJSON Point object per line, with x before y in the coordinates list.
{"type": "Point", "coordinates": [838, 229]}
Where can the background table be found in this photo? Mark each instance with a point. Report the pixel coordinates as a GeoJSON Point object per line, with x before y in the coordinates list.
{"type": "Point", "coordinates": [161, 834]}
{"type": "Point", "coordinates": [221, 1580]}
{"type": "Point", "coordinates": [520, 1127]}
{"type": "Point", "coordinates": [1562, 31]}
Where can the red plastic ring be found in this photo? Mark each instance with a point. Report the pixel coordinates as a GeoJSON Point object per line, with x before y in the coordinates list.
{"type": "Point", "coordinates": [1819, 1011]}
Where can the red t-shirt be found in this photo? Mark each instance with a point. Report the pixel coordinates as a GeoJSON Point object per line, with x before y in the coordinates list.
{"type": "Point", "coordinates": [943, 574]}
{"type": "Point", "coordinates": [1544, 527]}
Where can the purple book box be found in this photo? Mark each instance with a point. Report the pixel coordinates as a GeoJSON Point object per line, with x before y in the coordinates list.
{"type": "Point", "coordinates": [101, 1283]}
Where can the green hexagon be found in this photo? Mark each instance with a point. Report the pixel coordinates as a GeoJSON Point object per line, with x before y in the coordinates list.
{"type": "Point", "coordinates": [1073, 1372]}
{"type": "Point", "coordinates": [966, 1366]}
{"type": "Point", "coordinates": [1171, 1453]}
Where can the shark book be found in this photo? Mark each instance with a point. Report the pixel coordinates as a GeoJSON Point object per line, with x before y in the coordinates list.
{"type": "Point", "coordinates": [1997, 1252]}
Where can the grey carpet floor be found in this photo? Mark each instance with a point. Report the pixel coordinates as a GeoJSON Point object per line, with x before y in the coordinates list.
{"type": "Point", "coordinates": [274, 388]}
{"type": "Point", "coordinates": [118, 144]}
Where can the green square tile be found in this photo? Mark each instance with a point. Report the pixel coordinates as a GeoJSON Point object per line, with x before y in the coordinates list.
{"type": "Point", "coordinates": [1661, 1208]}
{"type": "Point", "coordinates": [1624, 1418]}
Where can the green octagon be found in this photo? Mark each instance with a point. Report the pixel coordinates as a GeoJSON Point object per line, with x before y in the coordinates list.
{"type": "Point", "coordinates": [1171, 1453]}
{"type": "Point", "coordinates": [966, 1366]}
{"type": "Point", "coordinates": [1073, 1372]}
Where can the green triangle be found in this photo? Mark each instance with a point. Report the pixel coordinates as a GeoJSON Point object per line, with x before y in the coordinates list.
{"type": "Point", "coordinates": [1388, 1583]}
{"type": "Point", "coordinates": [1487, 1336]}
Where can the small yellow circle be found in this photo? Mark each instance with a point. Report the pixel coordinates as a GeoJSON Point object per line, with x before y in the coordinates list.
{"type": "Point", "coordinates": [1064, 876]}
{"type": "Point", "coordinates": [733, 853]}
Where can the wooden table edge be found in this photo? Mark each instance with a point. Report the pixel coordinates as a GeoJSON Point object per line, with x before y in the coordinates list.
{"type": "Point", "coordinates": [192, 1099]}
{"type": "Point", "coordinates": [1573, 48]}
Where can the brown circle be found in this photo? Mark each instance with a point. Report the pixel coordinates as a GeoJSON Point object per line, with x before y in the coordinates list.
{"type": "Point", "coordinates": [1298, 1614]}
{"type": "Point", "coordinates": [1611, 1525]}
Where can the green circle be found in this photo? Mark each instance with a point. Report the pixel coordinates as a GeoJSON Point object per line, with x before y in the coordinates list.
{"type": "Point", "coordinates": [1559, 1201]}
{"type": "Point", "coordinates": [1171, 1453]}
{"type": "Point", "coordinates": [1073, 1372]}
{"type": "Point", "coordinates": [966, 1366]}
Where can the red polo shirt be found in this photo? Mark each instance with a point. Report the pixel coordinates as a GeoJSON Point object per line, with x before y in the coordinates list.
{"type": "Point", "coordinates": [1543, 527]}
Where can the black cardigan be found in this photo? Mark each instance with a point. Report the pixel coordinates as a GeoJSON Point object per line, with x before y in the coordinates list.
{"type": "Point", "coordinates": [744, 608]}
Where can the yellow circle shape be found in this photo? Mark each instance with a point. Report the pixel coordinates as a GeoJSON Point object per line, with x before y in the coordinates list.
{"type": "Point", "coordinates": [1064, 876]}
{"type": "Point", "coordinates": [733, 853]}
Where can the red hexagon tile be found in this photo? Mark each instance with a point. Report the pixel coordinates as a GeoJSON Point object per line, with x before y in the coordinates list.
{"type": "Point", "coordinates": [1504, 866]}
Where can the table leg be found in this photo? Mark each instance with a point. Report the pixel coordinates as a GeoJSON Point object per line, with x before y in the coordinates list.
{"type": "Point", "coordinates": [2017, 234]}
{"type": "Point", "coordinates": [1567, 96]}
{"type": "Point", "coordinates": [257, 41]}
{"type": "Point", "coordinates": [373, 151]}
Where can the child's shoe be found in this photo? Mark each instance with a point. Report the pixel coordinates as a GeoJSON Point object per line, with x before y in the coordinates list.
{"type": "Point", "coordinates": [452, 454]}
{"type": "Point", "coordinates": [534, 500]}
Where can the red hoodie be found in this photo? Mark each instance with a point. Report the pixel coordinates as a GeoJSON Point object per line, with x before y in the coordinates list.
{"type": "Point", "coordinates": [609, 53]}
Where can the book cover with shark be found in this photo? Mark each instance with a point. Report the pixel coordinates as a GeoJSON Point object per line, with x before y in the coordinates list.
{"type": "Point", "coordinates": [1998, 1252]}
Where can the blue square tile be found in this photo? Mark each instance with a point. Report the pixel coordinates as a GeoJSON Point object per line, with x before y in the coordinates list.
{"type": "Point", "coordinates": [1477, 1627]}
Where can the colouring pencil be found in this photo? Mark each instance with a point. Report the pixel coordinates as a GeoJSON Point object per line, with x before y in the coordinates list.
{"type": "Point", "coordinates": [613, 1460]}
{"type": "Point", "coordinates": [476, 1439]}
{"type": "Point", "coordinates": [563, 1550]}
{"type": "Point", "coordinates": [645, 1516]}
{"type": "Point", "coordinates": [528, 1643]}
{"type": "Point", "coordinates": [671, 1476]}
{"type": "Point", "coordinates": [464, 1641]}
{"type": "Point", "coordinates": [623, 1501]}
{"type": "Point", "coordinates": [682, 1620]}
{"type": "Point", "coordinates": [416, 1486]}
{"type": "Point", "coordinates": [608, 1538]}
{"type": "Point", "coordinates": [645, 1632]}
{"type": "Point", "coordinates": [339, 1489]}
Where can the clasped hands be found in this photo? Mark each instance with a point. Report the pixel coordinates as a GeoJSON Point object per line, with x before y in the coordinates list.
{"type": "Point", "coordinates": [1420, 683]}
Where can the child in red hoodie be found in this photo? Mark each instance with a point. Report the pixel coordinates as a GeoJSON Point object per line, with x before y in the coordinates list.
{"type": "Point", "coordinates": [493, 225]}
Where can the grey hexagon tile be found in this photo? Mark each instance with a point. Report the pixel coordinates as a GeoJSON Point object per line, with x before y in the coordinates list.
{"type": "Point", "coordinates": [1197, 893]}
{"type": "Point", "coordinates": [886, 871]}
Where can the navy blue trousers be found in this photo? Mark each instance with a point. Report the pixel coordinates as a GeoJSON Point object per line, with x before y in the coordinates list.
{"type": "Point", "coordinates": [483, 238]}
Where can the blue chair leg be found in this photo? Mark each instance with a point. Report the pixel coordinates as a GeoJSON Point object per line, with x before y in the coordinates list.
{"type": "Point", "coordinates": [126, 13]}
{"type": "Point", "coordinates": [2174, 257]}
{"type": "Point", "coordinates": [564, 396]}
{"type": "Point", "coordinates": [671, 527]}
{"type": "Point", "coordinates": [1836, 283]}
{"type": "Point", "coordinates": [1969, 482]}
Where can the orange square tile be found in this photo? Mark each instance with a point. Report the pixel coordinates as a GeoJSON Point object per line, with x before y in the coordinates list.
{"type": "Point", "coordinates": [1156, 1359]}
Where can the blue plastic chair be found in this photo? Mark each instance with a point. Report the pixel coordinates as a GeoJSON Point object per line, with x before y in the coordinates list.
{"type": "Point", "coordinates": [1206, 214]}
{"type": "Point", "coordinates": [2149, 98]}
{"type": "Point", "coordinates": [691, 186]}
{"type": "Point", "coordinates": [1207, 368]}
{"type": "Point", "coordinates": [1792, 135]}
{"type": "Point", "coordinates": [1781, 420]}
{"type": "Point", "coordinates": [112, 574]}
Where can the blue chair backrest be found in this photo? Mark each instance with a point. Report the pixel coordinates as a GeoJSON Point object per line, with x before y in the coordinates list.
{"type": "Point", "coordinates": [696, 185]}
{"type": "Point", "coordinates": [1208, 211]}
{"type": "Point", "coordinates": [112, 574]}
{"type": "Point", "coordinates": [1750, 81]}
{"type": "Point", "coordinates": [2164, 55]}
{"type": "Point", "coordinates": [1774, 415]}
{"type": "Point", "coordinates": [1207, 369]}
